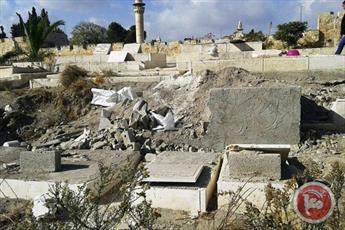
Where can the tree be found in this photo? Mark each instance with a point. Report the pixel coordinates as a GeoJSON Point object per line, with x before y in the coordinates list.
{"type": "Point", "coordinates": [2, 34]}
{"type": "Point", "coordinates": [36, 31]}
{"type": "Point", "coordinates": [88, 33]}
{"type": "Point", "coordinates": [17, 30]}
{"type": "Point", "coordinates": [131, 35]}
{"type": "Point", "coordinates": [291, 32]}
{"type": "Point", "coordinates": [116, 33]}
{"type": "Point", "coordinates": [253, 36]}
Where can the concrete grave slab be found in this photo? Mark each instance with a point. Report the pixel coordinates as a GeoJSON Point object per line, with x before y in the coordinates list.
{"type": "Point", "coordinates": [76, 171]}
{"type": "Point", "coordinates": [132, 48]}
{"type": "Point", "coordinates": [190, 197]}
{"type": "Point", "coordinates": [118, 56]}
{"type": "Point", "coordinates": [253, 164]}
{"type": "Point", "coordinates": [253, 115]}
{"type": "Point", "coordinates": [186, 173]}
{"type": "Point", "coordinates": [103, 48]}
{"type": "Point", "coordinates": [253, 192]}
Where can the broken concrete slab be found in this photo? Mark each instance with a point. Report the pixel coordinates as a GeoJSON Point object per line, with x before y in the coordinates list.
{"type": "Point", "coordinates": [128, 137]}
{"type": "Point", "coordinates": [254, 165]}
{"type": "Point", "coordinates": [40, 161]}
{"type": "Point", "coordinates": [104, 123]}
{"type": "Point", "coordinates": [254, 115]}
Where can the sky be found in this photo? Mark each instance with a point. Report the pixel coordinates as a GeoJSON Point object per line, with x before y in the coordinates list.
{"type": "Point", "coordinates": [174, 19]}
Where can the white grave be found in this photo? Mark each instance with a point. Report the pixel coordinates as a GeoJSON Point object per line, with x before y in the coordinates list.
{"type": "Point", "coordinates": [118, 56]}
{"type": "Point", "coordinates": [103, 48]}
{"type": "Point", "coordinates": [132, 48]}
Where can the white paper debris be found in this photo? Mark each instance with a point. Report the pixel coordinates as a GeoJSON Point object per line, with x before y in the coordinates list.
{"type": "Point", "coordinates": [39, 209]}
{"type": "Point", "coordinates": [8, 108]}
{"type": "Point", "coordinates": [167, 123]}
{"type": "Point", "coordinates": [110, 98]}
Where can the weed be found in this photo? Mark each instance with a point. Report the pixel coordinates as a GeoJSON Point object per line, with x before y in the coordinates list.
{"type": "Point", "coordinates": [85, 208]}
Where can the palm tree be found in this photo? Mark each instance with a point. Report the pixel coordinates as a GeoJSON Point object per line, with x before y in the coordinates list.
{"type": "Point", "coordinates": [36, 31]}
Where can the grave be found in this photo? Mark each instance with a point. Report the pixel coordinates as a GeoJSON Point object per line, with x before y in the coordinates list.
{"type": "Point", "coordinates": [183, 180]}
{"type": "Point", "coordinates": [75, 170]}
{"type": "Point", "coordinates": [132, 48]}
{"type": "Point", "coordinates": [103, 48]}
{"type": "Point", "coordinates": [119, 56]}
{"type": "Point", "coordinates": [253, 115]}
{"type": "Point", "coordinates": [248, 178]}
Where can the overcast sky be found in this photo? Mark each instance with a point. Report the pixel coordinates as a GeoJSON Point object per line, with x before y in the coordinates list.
{"type": "Point", "coordinates": [174, 19]}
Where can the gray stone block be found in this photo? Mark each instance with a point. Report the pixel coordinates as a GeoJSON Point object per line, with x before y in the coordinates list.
{"type": "Point", "coordinates": [40, 161]}
{"type": "Point", "coordinates": [253, 165]}
{"type": "Point", "coordinates": [254, 116]}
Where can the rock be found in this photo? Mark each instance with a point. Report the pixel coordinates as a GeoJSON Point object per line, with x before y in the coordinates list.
{"type": "Point", "coordinates": [8, 108]}
{"type": "Point", "coordinates": [123, 124]}
{"type": "Point", "coordinates": [104, 124]}
{"type": "Point", "coordinates": [135, 146]}
{"type": "Point", "coordinates": [99, 145]}
{"type": "Point", "coordinates": [162, 110]}
{"type": "Point", "coordinates": [128, 137]}
{"type": "Point", "coordinates": [40, 161]}
{"type": "Point", "coordinates": [50, 143]}
{"type": "Point", "coordinates": [15, 143]}
{"type": "Point", "coordinates": [106, 113]}
{"type": "Point", "coordinates": [140, 107]}
{"type": "Point", "coordinates": [134, 120]}
{"type": "Point", "coordinates": [10, 165]}
{"type": "Point", "coordinates": [39, 208]}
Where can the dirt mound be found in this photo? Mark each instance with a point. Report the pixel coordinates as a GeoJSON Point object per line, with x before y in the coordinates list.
{"type": "Point", "coordinates": [74, 101]}
{"type": "Point", "coordinates": [187, 95]}
{"type": "Point", "coordinates": [36, 110]}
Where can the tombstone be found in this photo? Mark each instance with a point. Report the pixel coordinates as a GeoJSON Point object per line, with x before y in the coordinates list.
{"type": "Point", "coordinates": [103, 48]}
{"type": "Point", "coordinates": [254, 116]}
{"type": "Point", "coordinates": [118, 56]}
{"type": "Point", "coordinates": [132, 48]}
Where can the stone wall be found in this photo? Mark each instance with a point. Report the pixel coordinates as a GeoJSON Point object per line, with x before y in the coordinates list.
{"type": "Point", "coordinates": [329, 27]}
{"type": "Point", "coordinates": [7, 44]}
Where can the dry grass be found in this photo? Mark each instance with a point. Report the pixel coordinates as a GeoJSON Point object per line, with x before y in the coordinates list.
{"type": "Point", "coordinates": [71, 75]}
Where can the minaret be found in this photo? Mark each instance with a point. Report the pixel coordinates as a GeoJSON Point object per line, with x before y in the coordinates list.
{"type": "Point", "coordinates": [139, 9]}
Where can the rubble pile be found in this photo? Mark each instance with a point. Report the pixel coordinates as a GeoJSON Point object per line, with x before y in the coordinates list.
{"type": "Point", "coordinates": [330, 144]}
{"type": "Point", "coordinates": [168, 117]}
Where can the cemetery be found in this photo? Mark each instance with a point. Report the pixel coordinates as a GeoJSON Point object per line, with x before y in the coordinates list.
{"type": "Point", "coordinates": [203, 134]}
